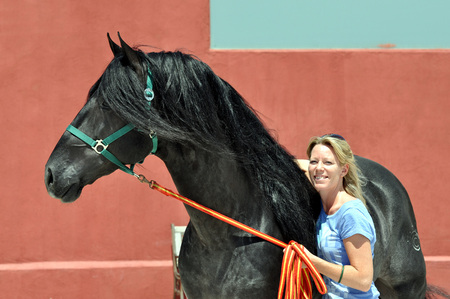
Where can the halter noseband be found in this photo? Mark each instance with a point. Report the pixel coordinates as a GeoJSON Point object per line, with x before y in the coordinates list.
{"type": "Point", "coordinates": [100, 146]}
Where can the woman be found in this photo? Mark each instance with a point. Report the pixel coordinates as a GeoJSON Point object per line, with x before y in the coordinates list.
{"type": "Point", "coordinates": [345, 230]}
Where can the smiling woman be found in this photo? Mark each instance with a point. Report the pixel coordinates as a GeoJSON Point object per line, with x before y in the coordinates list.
{"type": "Point", "coordinates": [345, 230]}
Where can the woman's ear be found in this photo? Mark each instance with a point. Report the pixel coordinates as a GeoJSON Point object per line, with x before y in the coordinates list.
{"type": "Point", "coordinates": [345, 170]}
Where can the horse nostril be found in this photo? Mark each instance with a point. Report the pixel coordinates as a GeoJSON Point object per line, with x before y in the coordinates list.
{"type": "Point", "coordinates": [48, 177]}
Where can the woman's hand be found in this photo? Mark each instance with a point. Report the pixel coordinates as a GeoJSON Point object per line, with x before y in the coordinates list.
{"type": "Point", "coordinates": [310, 256]}
{"type": "Point", "coordinates": [303, 164]}
{"type": "Point", "coordinates": [357, 275]}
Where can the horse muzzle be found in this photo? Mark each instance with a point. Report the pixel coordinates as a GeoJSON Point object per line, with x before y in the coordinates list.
{"type": "Point", "coordinates": [62, 187]}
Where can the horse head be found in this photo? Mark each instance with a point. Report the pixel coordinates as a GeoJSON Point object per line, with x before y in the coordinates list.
{"type": "Point", "coordinates": [206, 129]}
{"type": "Point", "coordinates": [74, 163]}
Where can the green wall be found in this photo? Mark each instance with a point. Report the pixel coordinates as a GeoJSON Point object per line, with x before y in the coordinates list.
{"type": "Point", "coordinates": [329, 24]}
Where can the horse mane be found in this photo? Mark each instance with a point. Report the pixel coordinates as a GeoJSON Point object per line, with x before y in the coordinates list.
{"type": "Point", "coordinates": [194, 106]}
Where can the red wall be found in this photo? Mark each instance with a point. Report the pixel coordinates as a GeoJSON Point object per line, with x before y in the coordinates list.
{"type": "Point", "coordinates": [392, 106]}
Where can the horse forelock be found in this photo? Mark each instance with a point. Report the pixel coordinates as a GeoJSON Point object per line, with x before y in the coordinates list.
{"type": "Point", "coordinates": [193, 105]}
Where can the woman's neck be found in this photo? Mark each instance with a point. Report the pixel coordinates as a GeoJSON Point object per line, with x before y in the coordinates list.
{"type": "Point", "coordinates": [333, 200]}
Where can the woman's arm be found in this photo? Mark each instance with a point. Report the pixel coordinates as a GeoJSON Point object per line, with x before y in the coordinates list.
{"type": "Point", "coordinates": [357, 275]}
{"type": "Point", "coordinates": [303, 164]}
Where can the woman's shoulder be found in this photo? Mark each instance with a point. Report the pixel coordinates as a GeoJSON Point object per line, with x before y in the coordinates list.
{"type": "Point", "coordinates": [353, 207]}
{"type": "Point", "coordinates": [353, 203]}
{"type": "Point", "coordinates": [354, 218]}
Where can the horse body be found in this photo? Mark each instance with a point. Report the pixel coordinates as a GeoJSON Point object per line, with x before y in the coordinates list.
{"type": "Point", "coordinates": [231, 164]}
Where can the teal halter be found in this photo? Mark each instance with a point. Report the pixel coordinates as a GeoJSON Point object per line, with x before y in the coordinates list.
{"type": "Point", "coordinates": [100, 146]}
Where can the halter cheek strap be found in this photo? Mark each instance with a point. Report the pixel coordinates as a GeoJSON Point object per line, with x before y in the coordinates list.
{"type": "Point", "coordinates": [100, 145]}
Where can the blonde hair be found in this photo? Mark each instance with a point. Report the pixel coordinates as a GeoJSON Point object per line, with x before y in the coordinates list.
{"type": "Point", "coordinates": [353, 179]}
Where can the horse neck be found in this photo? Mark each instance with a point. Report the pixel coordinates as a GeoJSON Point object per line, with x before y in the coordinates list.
{"type": "Point", "coordinates": [219, 183]}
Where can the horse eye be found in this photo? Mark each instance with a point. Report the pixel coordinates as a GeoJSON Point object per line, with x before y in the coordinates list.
{"type": "Point", "coordinates": [105, 106]}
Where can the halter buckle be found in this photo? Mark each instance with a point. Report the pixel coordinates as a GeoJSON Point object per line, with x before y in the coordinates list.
{"type": "Point", "coordinates": [99, 143]}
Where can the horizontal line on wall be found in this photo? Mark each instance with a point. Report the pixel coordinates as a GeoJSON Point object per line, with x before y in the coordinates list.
{"type": "Point", "coordinates": [80, 265]}
{"type": "Point", "coordinates": [437, 258]}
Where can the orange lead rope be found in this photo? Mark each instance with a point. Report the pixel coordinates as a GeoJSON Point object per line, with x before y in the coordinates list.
{"type": "Point", "coordinates": [295, 282]}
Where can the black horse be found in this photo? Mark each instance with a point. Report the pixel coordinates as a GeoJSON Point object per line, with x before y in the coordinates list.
{"type": "Point", "coordinates": [220, 155]}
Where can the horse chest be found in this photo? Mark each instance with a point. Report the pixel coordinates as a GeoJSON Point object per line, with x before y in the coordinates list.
{"type": "Point", "coordinates": [229, 271]}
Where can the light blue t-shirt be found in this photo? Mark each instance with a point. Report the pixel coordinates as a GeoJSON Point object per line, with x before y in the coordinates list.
{"type": "Point", "coordinates": [352, 218]}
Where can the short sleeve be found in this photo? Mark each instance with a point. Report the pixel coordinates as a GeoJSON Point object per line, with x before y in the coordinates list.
{"type": "Point", "coordinates": [354, 221]}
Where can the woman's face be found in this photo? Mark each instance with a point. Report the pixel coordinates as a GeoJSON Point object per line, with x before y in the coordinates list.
{"type": "Point", "coordinates": [324, 170]}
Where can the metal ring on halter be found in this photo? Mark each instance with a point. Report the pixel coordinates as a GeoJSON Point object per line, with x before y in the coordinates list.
{"type": "Point", "coordinates": [140, 177]}
{"type": "Point", "coordinates": [98, 143]}
{"type": "Point", "coordinates": [149, 94]}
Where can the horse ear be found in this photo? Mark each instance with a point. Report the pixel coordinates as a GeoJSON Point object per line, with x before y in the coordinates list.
{"type": "Point", "coordinates": [132, 57]}
{"type": "Point", "coordinates": [114, 47]}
